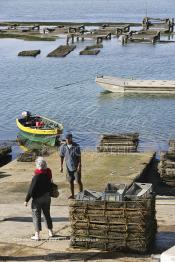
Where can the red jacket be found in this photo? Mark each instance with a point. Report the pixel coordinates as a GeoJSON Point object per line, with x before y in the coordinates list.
{"type": "Point", "coordinates": [44, 171]}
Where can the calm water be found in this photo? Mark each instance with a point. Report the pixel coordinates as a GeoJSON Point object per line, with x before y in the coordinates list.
{"type": "Point", "coordinates": [32, 83]}
{"type": "Point", "coordinates": [81, 10]}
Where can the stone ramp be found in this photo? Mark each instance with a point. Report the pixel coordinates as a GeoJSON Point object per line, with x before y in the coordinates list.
{"type": "Point", "coordinates": [16, 221]}
{"type": "Point", "coordinates": [15, 245]}
{"type": "Point", "coordinates": [17, 227]}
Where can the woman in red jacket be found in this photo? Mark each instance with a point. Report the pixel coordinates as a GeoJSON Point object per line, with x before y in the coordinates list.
{"type": "Point", "coordinates": [39, 191]}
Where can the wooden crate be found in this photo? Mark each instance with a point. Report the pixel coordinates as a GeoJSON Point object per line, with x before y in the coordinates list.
{"type": "Point", "coordinates": [126, 225]}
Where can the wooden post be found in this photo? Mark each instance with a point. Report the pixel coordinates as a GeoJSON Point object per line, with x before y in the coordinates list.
{"type": "Point", "coordinates": [172, 25]}
{"type": "Point", "coordinates": [126, 39]}
{"type": "Point", "coordinates": [153, 40]}
{"type": "Point", "coordinates": [128, 28]}
{"type": "Point", "coordinates": [120, 31]}
{"type": "Point", "coordinates": [109, 36]}
{"type": "Point", "coordinates": [72, 36]}
{"type": "Point", "coordinates": [99, 39]}
{"type": "Point", "coordinates": [123, 40]}
{"type": "Point", "coordinates": [67, 41]}
{"type": "Point", "coordinates": [147, 23]}
{"type": "Point", "coordinates": [158, 35]}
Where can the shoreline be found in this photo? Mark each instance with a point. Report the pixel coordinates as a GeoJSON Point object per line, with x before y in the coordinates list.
{"type": "Point", "coordinates": [52, 23]}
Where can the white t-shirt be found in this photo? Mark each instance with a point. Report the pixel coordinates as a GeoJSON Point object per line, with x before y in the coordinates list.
{"type": "Point", "coordinates": [69, 146]}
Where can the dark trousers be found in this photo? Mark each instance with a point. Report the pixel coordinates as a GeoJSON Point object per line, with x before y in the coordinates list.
{"type": "Point", "coordinates": [41, 204]}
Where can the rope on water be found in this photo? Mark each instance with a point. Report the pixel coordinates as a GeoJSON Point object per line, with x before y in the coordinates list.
{"type": "Point", "coordinates": [73, 83]}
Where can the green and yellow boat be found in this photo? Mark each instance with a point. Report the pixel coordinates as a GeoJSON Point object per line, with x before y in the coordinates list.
{"type": "Point", "coordinates": [39, 129]}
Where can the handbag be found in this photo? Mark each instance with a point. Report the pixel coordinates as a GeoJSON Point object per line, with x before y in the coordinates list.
{"type": "Point", "coordinates": [54, 190]}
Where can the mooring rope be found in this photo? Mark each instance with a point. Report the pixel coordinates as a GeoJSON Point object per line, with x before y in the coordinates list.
{"type": "Point", "coordinates": [73, 83]}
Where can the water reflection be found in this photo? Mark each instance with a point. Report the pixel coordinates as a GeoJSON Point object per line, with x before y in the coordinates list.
{"type": "Point", "coordinates": [107, 95]}
{"type": "Point", "coordinates": [110, 95]}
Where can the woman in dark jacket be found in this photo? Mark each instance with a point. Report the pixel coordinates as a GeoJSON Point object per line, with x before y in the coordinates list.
{"type": "Point", "coordinates": [39, 191]}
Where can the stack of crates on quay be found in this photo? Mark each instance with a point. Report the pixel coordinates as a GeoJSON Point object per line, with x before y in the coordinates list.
{"type": "Point", "coordinates": [167, 165]}
{"type": "Point", "coordinates": [119, 143]}
{"type": "Point", "coordinates": [5, 151]}
{"type": "Point", "coordinates": [116, 219]}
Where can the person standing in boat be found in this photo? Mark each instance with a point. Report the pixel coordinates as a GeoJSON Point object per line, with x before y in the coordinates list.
{"type": "Point", "coordinates": [39, 191]}
{"type": "Point", "coordinates": [71, 153]}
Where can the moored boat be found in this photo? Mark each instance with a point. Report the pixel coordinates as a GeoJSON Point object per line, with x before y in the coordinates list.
{"type": "Point", "coordinates": [124, 85]}
{"type": "Point", "coordinates": [39, 129]}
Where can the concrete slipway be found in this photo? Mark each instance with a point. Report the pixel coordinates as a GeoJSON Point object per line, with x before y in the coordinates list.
{"type": "Point", "coordinates": [98, 169]}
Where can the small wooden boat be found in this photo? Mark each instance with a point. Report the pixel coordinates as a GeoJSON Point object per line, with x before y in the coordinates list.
{"type": "Point", "coordinates": [39, 129]}
{"type": "Point", "coordinates": [124, 85]}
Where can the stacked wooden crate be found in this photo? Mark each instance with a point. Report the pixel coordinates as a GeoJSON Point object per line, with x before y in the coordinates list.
{"type": "Point", "coordinates": [31, 154]}
{"type": "Point", "coordinates": [172, 146]}
{"type": "Point", "coordinates": [119, 143]}
{"type": "Point", "coordinates": [113, 226]}
{"type": "Point", "coordinates": [167, 165]}
{"type": "Point", "coordinates": [5, 151]}
{"type": "Point", "coordinates": [28, 156]}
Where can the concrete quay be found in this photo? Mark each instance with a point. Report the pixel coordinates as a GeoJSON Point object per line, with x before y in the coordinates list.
{"type": "Point", "coordinates": [98, 169]}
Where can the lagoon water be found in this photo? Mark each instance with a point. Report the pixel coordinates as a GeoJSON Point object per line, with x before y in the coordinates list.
{"type": "Point", "coordinates": [84, 10]}
{"type": "Point", "coordinates": [34, 83]}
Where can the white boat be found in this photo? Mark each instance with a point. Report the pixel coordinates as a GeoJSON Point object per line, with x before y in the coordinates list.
{"type": "Point", "coordinates": [124, 85]}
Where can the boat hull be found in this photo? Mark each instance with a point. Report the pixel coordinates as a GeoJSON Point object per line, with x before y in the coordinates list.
{"type": "Point", "coordinates": [48, 134]}
{"type": "Point", "coordinates": [121, 85]}
{"type": "Point", "coordinates": [36, 131]}
{"type": "Point", "coordinates": [42, 139]}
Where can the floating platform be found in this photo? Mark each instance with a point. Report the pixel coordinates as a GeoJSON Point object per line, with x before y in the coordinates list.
{"type": "Point", "coordinates": [118, 143]}
{"type": "Point", "coordinates": [114, 30]}
{"type": "Point", "coordinates": [90, 52]}
{"type": "Point", "coordinates": [124, 85]}
{"type": "Point", "coordinates": [165, 25]}
{"type": "Point", "coordinates": [90, 47]}
{"type": "Point", "coordinates": [33, 53]}
{"type": "Point", "coordinates": [147, 36]}
{"type": "Point", "coordinates": [62, 51]}
{"type": "Point", "coordinates": [88, 35]}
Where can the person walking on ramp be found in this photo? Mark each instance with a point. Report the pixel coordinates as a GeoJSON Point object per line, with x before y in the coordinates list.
{"type": "Point", "coordinates": [39, 191]}
{"type": "Point", "coordinates": [70, 151]}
